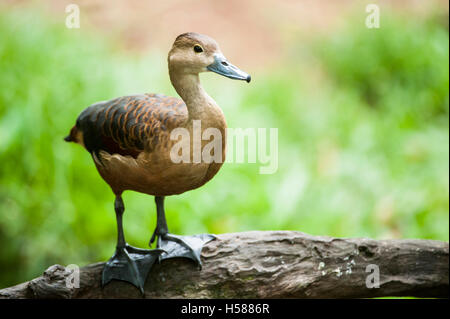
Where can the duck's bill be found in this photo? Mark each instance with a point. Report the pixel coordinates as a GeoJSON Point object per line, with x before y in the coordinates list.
{"type": "Point", "coordinates": [223, 67]}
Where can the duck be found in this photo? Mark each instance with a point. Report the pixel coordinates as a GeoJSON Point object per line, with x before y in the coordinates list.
{"type": "Point", "coordinates": [131, 142]}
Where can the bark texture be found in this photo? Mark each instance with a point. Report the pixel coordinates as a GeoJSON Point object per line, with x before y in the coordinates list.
{"type": "Point", "coordinates": [275, 264]}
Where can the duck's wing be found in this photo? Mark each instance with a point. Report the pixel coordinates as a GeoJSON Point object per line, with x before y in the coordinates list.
{"type": "Point", "coordinates": [129, 125]}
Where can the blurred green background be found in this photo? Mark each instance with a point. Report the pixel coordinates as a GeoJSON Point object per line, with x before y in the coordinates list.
{"type": "Point", "coordinates": [362, 115]}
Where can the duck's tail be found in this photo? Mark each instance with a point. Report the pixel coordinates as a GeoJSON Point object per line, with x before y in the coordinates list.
{"type": "Point", "coordinates": [71, 137]}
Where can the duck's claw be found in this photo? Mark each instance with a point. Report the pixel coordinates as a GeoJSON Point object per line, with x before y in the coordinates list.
{"type": "Point", "coordinates": [183, 246]}
{"type": "Point", "coordinates": [130, 264]}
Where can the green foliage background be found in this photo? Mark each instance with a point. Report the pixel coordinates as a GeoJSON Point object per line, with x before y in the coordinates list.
{"type": "Point", "coordinates": [363, 120]}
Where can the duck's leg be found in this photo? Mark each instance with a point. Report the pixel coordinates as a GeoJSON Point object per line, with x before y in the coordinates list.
{"type": "Point", "coordinates": [128, 263]}
{"type": "Point", "coordinates": [175, 245]}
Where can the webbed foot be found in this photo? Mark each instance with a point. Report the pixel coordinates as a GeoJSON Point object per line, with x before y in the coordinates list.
{"type": "Point", "coordinates": [130, 264]}
{"type": "Point", "coordinates": [175, 245]}
{"type": "Point", "coordinates": [183, 246]}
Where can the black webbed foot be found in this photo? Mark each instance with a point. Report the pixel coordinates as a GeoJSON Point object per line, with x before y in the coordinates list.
{"type": "Point", "coordinates": [183, 246]}
{"type": "Point", "coordinates": [175, 245]}
{"type": "Point", "coordinates": [130, 264]}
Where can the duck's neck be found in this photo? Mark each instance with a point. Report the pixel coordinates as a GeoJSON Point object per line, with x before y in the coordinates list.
{"type": "Point", "coordinates": [188, 86]}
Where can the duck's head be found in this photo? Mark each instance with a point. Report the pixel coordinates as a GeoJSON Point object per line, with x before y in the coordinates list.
{"type": "Point", "coordinates": [193, 53]}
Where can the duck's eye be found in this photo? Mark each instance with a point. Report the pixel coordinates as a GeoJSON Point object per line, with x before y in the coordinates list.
{"type": "Point", "coordinates": [198, 48]}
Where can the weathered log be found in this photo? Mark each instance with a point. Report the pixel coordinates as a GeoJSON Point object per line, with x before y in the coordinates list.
{"type": "Point", "coordinates": [278, 264]}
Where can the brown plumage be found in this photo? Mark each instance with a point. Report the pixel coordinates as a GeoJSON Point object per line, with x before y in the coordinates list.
{"type": "Point", "coordinates": [129, 137]}
{"type": "Point", "coordinates": [128, 125]}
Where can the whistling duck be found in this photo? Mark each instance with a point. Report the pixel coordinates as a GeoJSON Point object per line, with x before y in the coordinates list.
{"type": "Point", "coordinates": [130, 141]}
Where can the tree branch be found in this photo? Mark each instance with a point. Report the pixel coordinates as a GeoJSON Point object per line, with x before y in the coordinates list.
{"type": "Point", "coordinates": [278, 264]}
